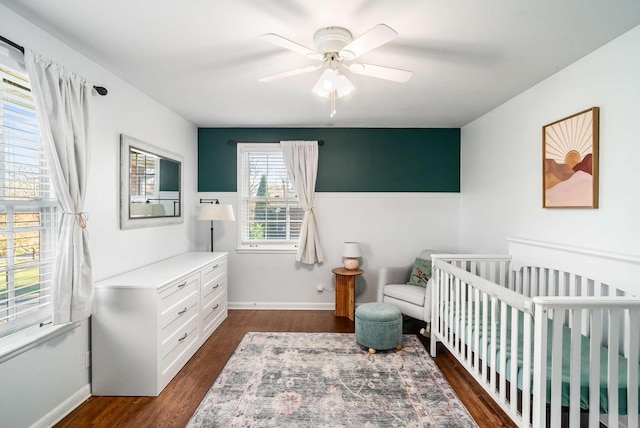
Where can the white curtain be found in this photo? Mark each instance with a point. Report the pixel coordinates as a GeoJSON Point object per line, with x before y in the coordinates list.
{"type": "Point", "coordinates": [62, 105]}
{"type": "Point", "coordinates": [301, 160]}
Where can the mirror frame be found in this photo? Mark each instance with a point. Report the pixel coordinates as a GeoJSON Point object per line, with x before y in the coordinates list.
{"type": "Point", "coordinates": [126, 222]}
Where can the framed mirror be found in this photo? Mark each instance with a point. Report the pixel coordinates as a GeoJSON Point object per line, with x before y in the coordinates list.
{"type": "Point", "coordinates": [150, 185]}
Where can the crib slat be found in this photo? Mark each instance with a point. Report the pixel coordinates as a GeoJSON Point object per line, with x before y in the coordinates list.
{"type": "Point", "coordinates": [456, 315]}
{"type": "Point", "coordinates": [513, 392]}
{"type": "Point", "coordinates": [594, 369]}
{"type": "Point", "coordinates": [469, 317]}
{"type": "Point", "coordinates": [435, 310]}
{"type": "Point", "coordinates": [448, 308]}
{"type": "Point", "coordinates": [492, 344]}
{"type": "Point", "coordinates": [612, 368]}
{"type": "Point", "coordinates": [632, 372]}
{"type": "Point", "coordinates": [502, 368]}
{"type": "Point", "coordinates": [543, 290]}
{"type": "Point", "coordinates": [463, 318]}
{"type": "Point", "coordinates": [540, 367]}
{"type": "Point", "coordinates": [534, 282]}
{"type": "Point", "coordinates": [485, 324]}
{"type": "Point", "coordinates": [574, 379]}
{"type": "Point", "coordinates": [526, 370]}
{"type": "Point", "coordinates": [476, 339]}
{"type": "Point", "coordinates": [556, 367]}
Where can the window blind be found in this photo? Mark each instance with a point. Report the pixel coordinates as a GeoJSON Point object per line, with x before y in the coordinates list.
{"type": "Point", "coordinates": [270, 213]}
{"type": "Point", "coordinates": [28, 210]}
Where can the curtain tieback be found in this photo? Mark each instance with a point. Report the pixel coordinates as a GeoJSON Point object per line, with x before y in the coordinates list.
{"type": "Point", "coordinates": [81, 218]}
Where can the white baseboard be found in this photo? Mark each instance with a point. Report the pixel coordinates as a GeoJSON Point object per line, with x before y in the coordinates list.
{"type": "Point", "coordinates": [66, 407]}
{"type": "Point", "coordinates": [291, 306]}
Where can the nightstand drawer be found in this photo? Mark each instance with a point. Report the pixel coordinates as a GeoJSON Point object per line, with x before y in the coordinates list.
{"type": "Point", "coordinates": [176, 293]}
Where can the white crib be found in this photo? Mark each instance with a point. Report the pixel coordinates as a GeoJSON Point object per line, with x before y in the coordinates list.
{"type": "Point", "coordinates": [511, 318]}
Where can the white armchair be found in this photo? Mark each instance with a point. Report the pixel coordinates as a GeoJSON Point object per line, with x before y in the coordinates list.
{"type": "Point", "coordinates": [412, 300]}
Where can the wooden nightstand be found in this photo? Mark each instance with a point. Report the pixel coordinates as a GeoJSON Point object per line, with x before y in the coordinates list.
{"type": "Point", "coordinates": [345, 291]}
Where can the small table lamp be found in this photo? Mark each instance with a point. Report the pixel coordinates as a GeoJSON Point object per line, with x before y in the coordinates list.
{"type": "Point", "coordinates": [214, 210]}
{"type": "Point", "coordinates": [350, 253]}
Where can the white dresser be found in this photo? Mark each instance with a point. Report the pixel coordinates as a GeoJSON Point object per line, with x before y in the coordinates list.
{"type": "Point", "coordinates": [148, 322]}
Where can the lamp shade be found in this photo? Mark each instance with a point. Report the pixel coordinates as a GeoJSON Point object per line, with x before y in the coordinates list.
{"type": "Point", "coordinates": [352, 250]}
{"type": "Point", "coordinates": [216, 212]}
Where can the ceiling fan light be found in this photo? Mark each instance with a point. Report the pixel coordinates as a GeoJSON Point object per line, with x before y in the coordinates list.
{"type": "Point", "coordinates": [343, 85]}
{"type": "Point", "coordinates": [325, 84]}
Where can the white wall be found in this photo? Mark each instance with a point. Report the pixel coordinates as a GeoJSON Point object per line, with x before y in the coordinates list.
{"type": "Point", "coordinates": [41, 394]}
{"type": "Point", "coordinates": [392, 229]}
{"type": "Point", "coordinates": [501, 152]}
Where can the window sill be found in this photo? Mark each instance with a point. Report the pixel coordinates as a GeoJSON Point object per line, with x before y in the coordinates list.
{"type": "Point", "coordinates": [23, 340]}
{"type": "Point", "coordinates": [266, 250]}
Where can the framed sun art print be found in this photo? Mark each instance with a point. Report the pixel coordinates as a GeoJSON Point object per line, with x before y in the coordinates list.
{"type": "Point", "coordinates": [570, 161]}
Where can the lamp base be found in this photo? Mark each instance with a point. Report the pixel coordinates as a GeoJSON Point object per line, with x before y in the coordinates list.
{"type": "Point", "coordinates": [351, 263]}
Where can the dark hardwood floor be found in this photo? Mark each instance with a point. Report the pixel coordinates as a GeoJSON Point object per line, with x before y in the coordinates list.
{"type": "Point", "coordinates": [175, 405]}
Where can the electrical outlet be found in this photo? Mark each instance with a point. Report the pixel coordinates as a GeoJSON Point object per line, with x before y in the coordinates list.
{"type": "Point", "coordinates": [319, 288]}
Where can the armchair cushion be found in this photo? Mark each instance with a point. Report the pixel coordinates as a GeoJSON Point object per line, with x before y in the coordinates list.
{"type": "Point", "coordinates": [406, 292]}
{"type": "Point", "coordinates": [421, 272]}
{"type": "Point", "coordinates": [412, 300]}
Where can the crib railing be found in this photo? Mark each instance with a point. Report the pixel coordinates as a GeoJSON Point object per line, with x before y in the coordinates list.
{"type": "Point", "coordinates": [472, 307]}
{"type": "Point", "coordinates": [616, 311]}
{"type": "Point", "coordinates": [485, 314]}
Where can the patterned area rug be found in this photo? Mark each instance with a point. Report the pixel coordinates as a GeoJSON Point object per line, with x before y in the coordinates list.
{"type": "Point", "coordinates": [328, 380]}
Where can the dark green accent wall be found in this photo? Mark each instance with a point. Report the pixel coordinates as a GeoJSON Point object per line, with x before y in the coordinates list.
{"type": "Point", "coordinates": [169, 176]}
{"type": "Point", "coordinates": [351, 159]}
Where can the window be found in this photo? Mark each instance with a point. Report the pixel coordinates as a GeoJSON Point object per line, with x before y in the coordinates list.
{"type": "Point", "coordinates": [143, 176]}
{"type": "Point", "coordinates": [28, 210]}
{"type": "Point", "coordinates": [270, 216]}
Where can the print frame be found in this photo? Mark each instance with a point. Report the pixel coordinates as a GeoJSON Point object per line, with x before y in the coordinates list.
{"type": "Point", "coordinates": [570, 161]}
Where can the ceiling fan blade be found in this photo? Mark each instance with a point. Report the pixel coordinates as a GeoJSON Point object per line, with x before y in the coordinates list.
{"type": "Point", "coordinates": [292, 46]}
{"type": "Point", "coordinates": [377, 36]}
{"type": "Point", "coordinates": [290, 73]}
{"type": "Point", "coordinates": [387, 73]}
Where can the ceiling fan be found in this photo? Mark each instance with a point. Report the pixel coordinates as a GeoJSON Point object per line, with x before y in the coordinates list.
{"type": "Point", "coordinates": [337, 50]}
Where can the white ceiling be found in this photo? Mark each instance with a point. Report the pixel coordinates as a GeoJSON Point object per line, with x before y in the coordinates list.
{"type": "Point", "coordinates": [202, 58]}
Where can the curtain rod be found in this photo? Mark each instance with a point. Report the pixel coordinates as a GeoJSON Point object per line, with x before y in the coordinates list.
{"type": "Point", "coordinates": [320, 142]}
{"type": "Point", "coordinates": [99, 89]}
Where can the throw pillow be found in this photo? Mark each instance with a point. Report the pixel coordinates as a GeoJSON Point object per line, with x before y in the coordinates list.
{"type": "Point", "coordinates": [421, 272]}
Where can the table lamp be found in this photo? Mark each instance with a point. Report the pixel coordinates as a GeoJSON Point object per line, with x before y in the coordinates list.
{"type": "Point", "coordinates": [214, 210]}
{"type": "Point", "coordinates": [350, 254]}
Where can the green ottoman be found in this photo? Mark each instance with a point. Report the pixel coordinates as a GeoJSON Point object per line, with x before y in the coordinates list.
{"type": "Point", "coordinates": [378, 326]}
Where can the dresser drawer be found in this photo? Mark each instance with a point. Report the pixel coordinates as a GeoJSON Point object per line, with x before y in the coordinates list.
{"type": "Point", "coordinates": [178, 350]}
{"type": "Point", "coordinates": [214, 288]}
{"type": "Point", "coordinates": [212, 270]}
{"type": "Point", "coordinates": [177, 316]}
{"type": "Point", "coordinates": [213, 314]}
{"type": "Point", "coordinates": [175, 294]}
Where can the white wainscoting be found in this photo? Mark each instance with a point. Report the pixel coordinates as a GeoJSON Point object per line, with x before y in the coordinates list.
{"type": "Point", "coordinates": [392, 229]}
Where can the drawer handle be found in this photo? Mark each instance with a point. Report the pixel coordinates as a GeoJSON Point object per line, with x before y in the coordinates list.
{"type": "Point", "coordinates": [215, 307]}
{"type": "Point", "coordinates": [183, 337]}
{"type": "Point", "coordinates": [182, 285]}
{"type": "Point", "coordinates": [215, 267]}
{"type": "Point", "coordinates": [182, 311]}
{"type": "Point", "coordinates": [216, 286]}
